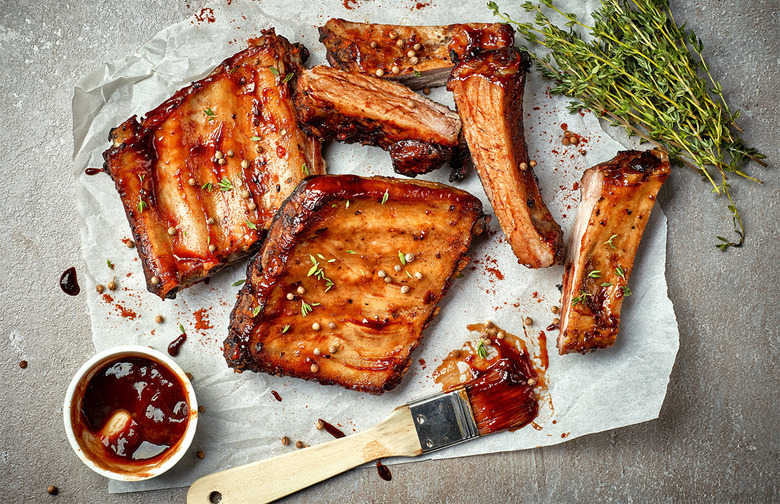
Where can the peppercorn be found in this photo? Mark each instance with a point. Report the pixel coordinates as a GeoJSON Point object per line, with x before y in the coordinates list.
{"type": "Point", "coordinates": [285, 440]}
{"type": "Point", "coordinates": [99, 288]}
{"type": "Point", "coordinates": [200, 454]}
{"type": "Point", "coordinates": [319, 425]}
{"type": "Point", "coordinates": [529, 321]}
{"type": "Point", "coordinates": [159, 319]}
{"type": "Point", "coordinates": [555, 309]}
{"type": "Point", "coordinates": [23, 364]}
{"type": "Point", "coordinates": [299, 444]}
{"type": "Point", "coordinates": [52, 490]}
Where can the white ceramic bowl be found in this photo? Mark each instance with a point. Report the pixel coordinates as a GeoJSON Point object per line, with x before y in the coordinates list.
{"type": "Point", "coordinates": [79, 442]}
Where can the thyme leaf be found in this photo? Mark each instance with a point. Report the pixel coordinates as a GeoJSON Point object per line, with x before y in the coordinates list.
{"type": "Point", "coordinates": [225, 184]}
{"type": "Point", "coordinates": [238, 283]}
{"type": "Point", "coordinates": [481, 350]}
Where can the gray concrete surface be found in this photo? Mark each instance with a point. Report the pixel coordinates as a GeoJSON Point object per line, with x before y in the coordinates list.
{"type": "Point", "coordinates": [716, 439]}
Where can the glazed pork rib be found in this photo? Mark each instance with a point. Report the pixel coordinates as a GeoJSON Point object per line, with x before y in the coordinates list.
{"type": "Point", "coordinates": [488, 91]}
{"type": "Point", "coordinates": [422, 55]}
{"type": "Point", "coordinates": [349, 277]}
{"type": "Point", "coordinates": [419, 133]}
{"type": "Point", "coordinates": [202, 175]}
{"type": "Point", "coordinates": [617, 197]}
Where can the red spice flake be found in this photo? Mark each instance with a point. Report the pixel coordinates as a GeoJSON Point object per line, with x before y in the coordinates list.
{"type": "Point", "coordinates": [280, 151]}
{"type": "Point", "coordinates": [205, 14]}
{"type": "Point", "coordinates": [535, 295]}
{"type": "Point", "coordinates": [565, 435]}
{"type": "Point", "coordinates": [564, 126]}
{"type": "Point", "coordinates": [422, 363]}
{"type": "Point", "coordinates": [123, 312]}
{"type": "Point", "coordinates": [420, 5]}
{"type": "Point", "coordinates": [576, 186]}
{"type": "Point", "coordinates": [202, 320]}
{"type": "Point", "coordinates": [349, 4]}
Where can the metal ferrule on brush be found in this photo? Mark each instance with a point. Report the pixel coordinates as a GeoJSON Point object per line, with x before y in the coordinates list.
{"type": "Point", "coordinates": [443, 420]}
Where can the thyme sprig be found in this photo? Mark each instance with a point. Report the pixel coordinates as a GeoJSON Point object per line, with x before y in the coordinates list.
{"type": "Point", "coordinates": [643, 72]}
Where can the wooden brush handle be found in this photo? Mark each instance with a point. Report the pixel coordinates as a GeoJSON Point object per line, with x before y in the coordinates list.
{"type": "Point", "coordinates": [271, 479]}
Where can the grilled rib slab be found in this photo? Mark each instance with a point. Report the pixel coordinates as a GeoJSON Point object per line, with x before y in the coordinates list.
{"type": "Point", "coordinates": [488, 91]}
{"type": "Point", "coordinates": [349, 107]}
{"type": "Point", "coordinates": [349, 47]}
{"type": "Point", "coordinates": [323, 263]}
{"type": "Point", "coordinates": [617, 197]}
{"type": "Point", "coordinates": [193, 208]}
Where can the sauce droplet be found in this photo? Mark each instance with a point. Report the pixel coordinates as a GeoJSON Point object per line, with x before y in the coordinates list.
{"type": "Point", "coordinates": [175, 346]}
{"type": "Point", "coordinates": [276, 395]}
{"type": "Point", "coordinates": [383, 470]}
{"type": "Point", "coordinates": [69, 283]}
{"type": "Point", "coordinates": [331, 429]}
{"type": "Point", "coordinates": [92, 171]}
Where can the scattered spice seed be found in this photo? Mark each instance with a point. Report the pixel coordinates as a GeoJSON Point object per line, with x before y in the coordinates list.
{"type": "Point", "coordinates": [456, 353]}
{"type": "Point", "coordinates": [23, 364]}
{"type": "Point", "coordinates": [52, 490]}
{"type": "Point", "coordinates": [333, 349]}
{"type": "Point", "coordinates": [159, 319]}
{"type": "Point", "coordinates": [532, 163]}
{"type": "Point", "coordinates": [414, 60]}
{"type": "Point", "coordinates": [244, 163]}
{"type": "Point", "coordinates": [411, 54]}
{"type": "Point", "coordinates": [300, 290]}
{"type": "Point", "coordinates": [379, 72]}
{"type": "Point", "coordinates": [426, 91]}
{"type": "Point", "coordinates": [191, 182]}
{"type": "Point", "coordinates": [315, 326]}
{"type": "Point", "coordinates": [556, 321]}
{"type": "Point", "coordinates": [212, 247]}
{"type": "Point", "coordinates": [555, 309]}
{"type": "Point", "coordinates": [230, 153]}
{"type": "Point", "coordinates": [188, 374]}
{"type": "Point", "coordinates": [200, 454]}
{"type": "Point", "coordinates": [567, 133]}
{"type": "Point", "coordinates": [99, 288]}
{"type": "Point", "coordinates": [290, 296]}
{"type": "Point", "coordinates": [381, 274]}
{"type": "Point", "coordinates": [219, 155]}
{"type": "Point", "coordinates": [171, 230]}
{"type": "Point", "coordinates": [388, 279]}
{"type": "Point", "coordinates": [221, 162]}
{"type": "Point", "coordinates": [314, 368]}
{"type": "Point", "coordinates": [500, 335]}
{"type": "Point", "coordinates": [397, 268]}
{"type": "Point", "coordinates": [373, 44]}
{"type": "Point", "coordinates": [299, 444]}
{"type": "Point", "coordinates": [492, 331]}
{"type": "Point", "coordinates": [404, 289]}
{"type": "Point", "coordinates": [154, 280]}
{"type": "Point", "coordinates": [130, 244]}
{"type": "Point", "coordinates": [259, 149]}
{"type": "Point", "coordinates": [574, 140]}
{"type": "Point", "coordinates": [332, 325]}
{"type": "Point", "coordinates": [245, 194]}
{"type": "Point", "coordinates": [285, 440]}
{"type": "Point", "coordinates": [418, 275]}
{"type": "Point", "coordinates": [319, 425]}
{"type": "Point", "coordinates": [201, 409]}
{"type": "Point", "coordinates": [317, 351]}
{"type": "Point", "coordinates": [529, 321]}
{"type": "Point", "coordinates": [252, 205]}
{"type": "Point", "coordinates": [392, 35]}
{"type": "Point", "coordinates": [211, 220]}
{"type": "Point", "coordinates": [400, 43]}
{"type": "Point", "coordinates": [409, 257]}
{"type": "Point", "coordinates": [565, 141]}
{"type": "Point", "coordinates": [523, 166]}
{"type": "Point", "coordinates": [531, 382]}
{"type": "Point", "coordinates": [488, 324]}
{"type": "Point", "coordinates": [111, 284]}
{"type": "Point", "coordinates": [417, 47]}
{"type": "Point", "coordinates": [395, 70]}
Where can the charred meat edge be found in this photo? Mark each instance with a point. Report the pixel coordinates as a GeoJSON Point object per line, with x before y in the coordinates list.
{"type": "Point", "coordinates": [296, 217]}
{"type": "Point", "coordinates": [349, 48]}
{"type": "Point", "coordinates": [488, 90]}
{"type": "Point", "coordinates": [617, 198]}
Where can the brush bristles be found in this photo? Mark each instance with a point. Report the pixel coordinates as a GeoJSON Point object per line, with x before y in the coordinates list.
{"type": "Point", "coordinates": [501, 398]}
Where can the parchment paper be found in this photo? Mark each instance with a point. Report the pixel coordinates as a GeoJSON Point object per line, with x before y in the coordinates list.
{"type": "Point", "coordinates": [242, 421]}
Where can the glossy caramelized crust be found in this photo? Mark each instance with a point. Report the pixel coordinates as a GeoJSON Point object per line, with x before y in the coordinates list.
{"type": "Point", "coordinates": [349, 47]}
{"type": "Point", "coordinates": [488, 91]}
{"type": "Point", "coordinates": [617, 197]}
{"type": "Point", "coordinates": [349, 107]}
{"type": "Point", "coordinates": [322, 264]}
{"type": "Point", "coordinates": [191, 212]}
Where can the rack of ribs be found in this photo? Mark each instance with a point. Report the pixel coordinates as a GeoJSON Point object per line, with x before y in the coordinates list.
{"type": "Point", "coordinates": [201, 176]}
{"type": "Point", "coordinates": [617, 197]}
{"type": "Point", "coordinates": [488, 90]}
{"type": "Point", "coordinates": [417, 56]}
{"type": "Point", "coordinates": [337, 105]}
{"type": "Point", "coordinates": [348, 278]}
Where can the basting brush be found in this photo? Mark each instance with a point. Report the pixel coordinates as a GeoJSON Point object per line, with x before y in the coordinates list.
{"type": "Point", "coordinates": [500, 397]}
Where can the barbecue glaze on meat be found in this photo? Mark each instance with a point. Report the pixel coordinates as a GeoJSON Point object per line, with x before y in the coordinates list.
{"type": "Point", "coordinates": [321, 264]}
{"type": "Point", "coordinates": [488, 91]}
{"type": "Point", "coordinates": [349, 48]}
{"type": "Point", "coordinates": [191, 212]}
{"type": "Point", "coordinates": [349, 107]}
{"type": "Point", "coordinates": [617, 197]}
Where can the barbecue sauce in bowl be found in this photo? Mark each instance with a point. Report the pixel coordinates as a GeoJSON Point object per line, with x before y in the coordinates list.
{"type": "Point", "coordinates": [130, 416]}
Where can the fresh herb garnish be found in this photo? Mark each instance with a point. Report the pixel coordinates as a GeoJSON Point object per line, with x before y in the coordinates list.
{"type": "Point", "coordinates": [351, 252]}
{"type": "Point", "coordinates": [208, 186]}
{"type": "Point", "coordinates": [594, 274]}
{"type": "Point", "coordinates": [274, 71]}
{"type": "Point", "coordinates": [620, 272]}
{"type": "Point", "coordinates": [286, 328]}
{"type": "Point", "coordinates": [287, 77]}
{"type": "Point", "coordinates": [626, 291]}
{"type": "Point", "coordinates": [417, 74]}
{"type": "Point", "coordinates": [305, 308]}
{"type": "Point", "coordinates": [239, 282]}
{"type": "Point", "coordinates": [110, 264]}
{"type": "Point", "coordinates": [384, 198]}
{"type": "Point", "coordinates": [251, 225]}
{"type": "Point", "coordinates": [181, 328]}
{"type": "Point", "coordinates": [255, 138]}
{"type": "Point", "coordinates": [401, 258]}
{"type": "Point", "coordinates": [142, 205]}
{"type": "Point", "coordinates": [225, 184]}
{"type": "Point", "coordinates": [481, 350]}
{"type": "Point", "coordinates": [580, 299]}
{"type": "Point", "coordinates": [347, 204]}
{"type": "Point", "coordinates": [210, 115]}
{"type": "Point", "coordinates": [305, 169]}
{"type": "Point", "coordinates": [609, 242]}
{"type": "Point", "coordinates": [606, 284]}
{"type": "Point", "coordinates": [646, 74]}
{"type": "Point", "coordinates": [256, 311]}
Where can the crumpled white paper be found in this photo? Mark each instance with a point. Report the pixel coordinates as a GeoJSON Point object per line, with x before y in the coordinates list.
{"type": "Point", "coordinates": [242, 421]}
